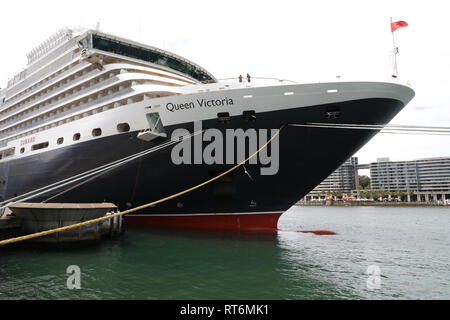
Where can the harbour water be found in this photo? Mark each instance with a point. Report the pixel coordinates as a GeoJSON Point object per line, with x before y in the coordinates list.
{"type": "Point", "coordinates": [409, 246]}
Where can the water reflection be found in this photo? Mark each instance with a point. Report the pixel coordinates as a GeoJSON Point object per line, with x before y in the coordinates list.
{"type": "Point", "coordinates": [410, 247]}
{"type": "Point", "coordinates": [168, 264]}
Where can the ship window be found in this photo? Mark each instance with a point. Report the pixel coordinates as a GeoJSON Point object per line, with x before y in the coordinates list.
{"type": "Point", "coordinates": [149, 55]}
{"type": "Point", "coordinates": [7, 153]}
{"type": "Point", "coordinates": [60, 140]}
{"type": "Point", "coordinates": [39, 146]}
{"type": "Point", "coordinates": [123, 127]}
{"type": "Point", "coordinates": [22, 150]}
{"type": "Point", "coordinates": [96, 132]}
{"type": "Point", "coordinates": [76, 136]}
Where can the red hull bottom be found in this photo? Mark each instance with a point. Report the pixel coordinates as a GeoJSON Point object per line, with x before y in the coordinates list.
{"type": "Point", "coordinates": [249, 221]}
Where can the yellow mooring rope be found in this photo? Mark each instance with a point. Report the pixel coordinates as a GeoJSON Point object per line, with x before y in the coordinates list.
{"type": "Point", "coordinates": [85, 223]}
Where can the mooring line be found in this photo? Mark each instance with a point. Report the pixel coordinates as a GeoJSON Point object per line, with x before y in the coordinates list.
{"type": "Point", "coordinates": [96, 171]}
{"type": "Point", "coordinates": [380, 126]}
{"type": "Point", "coordinates": [391, 129]}
{"type": "Point", "coordinates": [85, 223]}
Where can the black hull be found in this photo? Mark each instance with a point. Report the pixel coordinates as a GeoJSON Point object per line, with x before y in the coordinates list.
{"type": "Point", "coordinates": [307, 156]}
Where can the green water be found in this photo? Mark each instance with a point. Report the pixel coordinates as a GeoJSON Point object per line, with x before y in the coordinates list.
{"type": "Point", "coordinates": [410, 246]}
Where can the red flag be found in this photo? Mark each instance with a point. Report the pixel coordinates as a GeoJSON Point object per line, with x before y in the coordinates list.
{"type": "Point", "coordinates": [397, 24]}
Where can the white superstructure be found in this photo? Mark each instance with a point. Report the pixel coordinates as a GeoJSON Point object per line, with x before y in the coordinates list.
{"type": "Point", "coordinates": [86, 85]}
{"type": "Point", "coordinates": [69, 77]}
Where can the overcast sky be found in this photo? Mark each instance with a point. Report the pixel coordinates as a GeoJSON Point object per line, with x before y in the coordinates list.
{"type": "Point", "coordinates": [305, 41]}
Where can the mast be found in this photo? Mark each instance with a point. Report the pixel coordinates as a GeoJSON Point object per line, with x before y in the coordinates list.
{"type": "Point", "coordinates": [395, 69]}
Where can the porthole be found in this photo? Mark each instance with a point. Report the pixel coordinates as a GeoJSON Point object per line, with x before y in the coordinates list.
{"type": "Point", "coordinates": [96, 132]}
{"type": "Point", "coordinates": [22, 150]}
{"type": "Point", "coordinates": [123, 127]}
{"type": "Point", "coordinates": [76, 136]}
{"type": "Point", "coordinates": [60, 140]}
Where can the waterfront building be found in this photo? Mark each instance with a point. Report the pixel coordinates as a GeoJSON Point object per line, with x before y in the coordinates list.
{"type": "Point", "coordinates": [423, 175]}
{"type": "Point", "coordinates": [422, 179]}
{"type": "Point", "coordinates": [344, 180]}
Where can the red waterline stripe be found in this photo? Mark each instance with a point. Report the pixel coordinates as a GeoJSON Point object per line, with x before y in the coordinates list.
{"type": "Point", "coordinates": [250, 221]}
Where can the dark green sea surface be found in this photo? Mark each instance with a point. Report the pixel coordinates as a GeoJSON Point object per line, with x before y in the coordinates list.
{"type": "Point", "coordinates": [409, 246]}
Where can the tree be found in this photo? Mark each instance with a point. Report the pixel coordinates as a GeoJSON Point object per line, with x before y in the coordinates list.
{"type": "Point", "coordinates": [365, 194]}
{"type": "Point", "coordinates": [402, 195]}
{"type": "Point", "coordinates": [364, 182]}
{"type": "Point", "coordinates": [376, 194]}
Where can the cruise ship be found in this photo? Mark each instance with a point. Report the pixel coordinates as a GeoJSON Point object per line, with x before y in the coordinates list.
{"type": "Point", "coordinates": [87, 99]}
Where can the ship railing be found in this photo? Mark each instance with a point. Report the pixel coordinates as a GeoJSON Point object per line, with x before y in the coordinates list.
{"type": "Point", "coordinates": [244, 79]}
{"type": "Point", "coordinates": [34, 76]}
{"type": "Point", "coordinates": [259, 79]}
{"type": "Point", "coordinates": [60, 102]}
{"type": "Point", "coordinates": [66, 113]}
{"type": "Point", "coordinates": [275, 81]}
